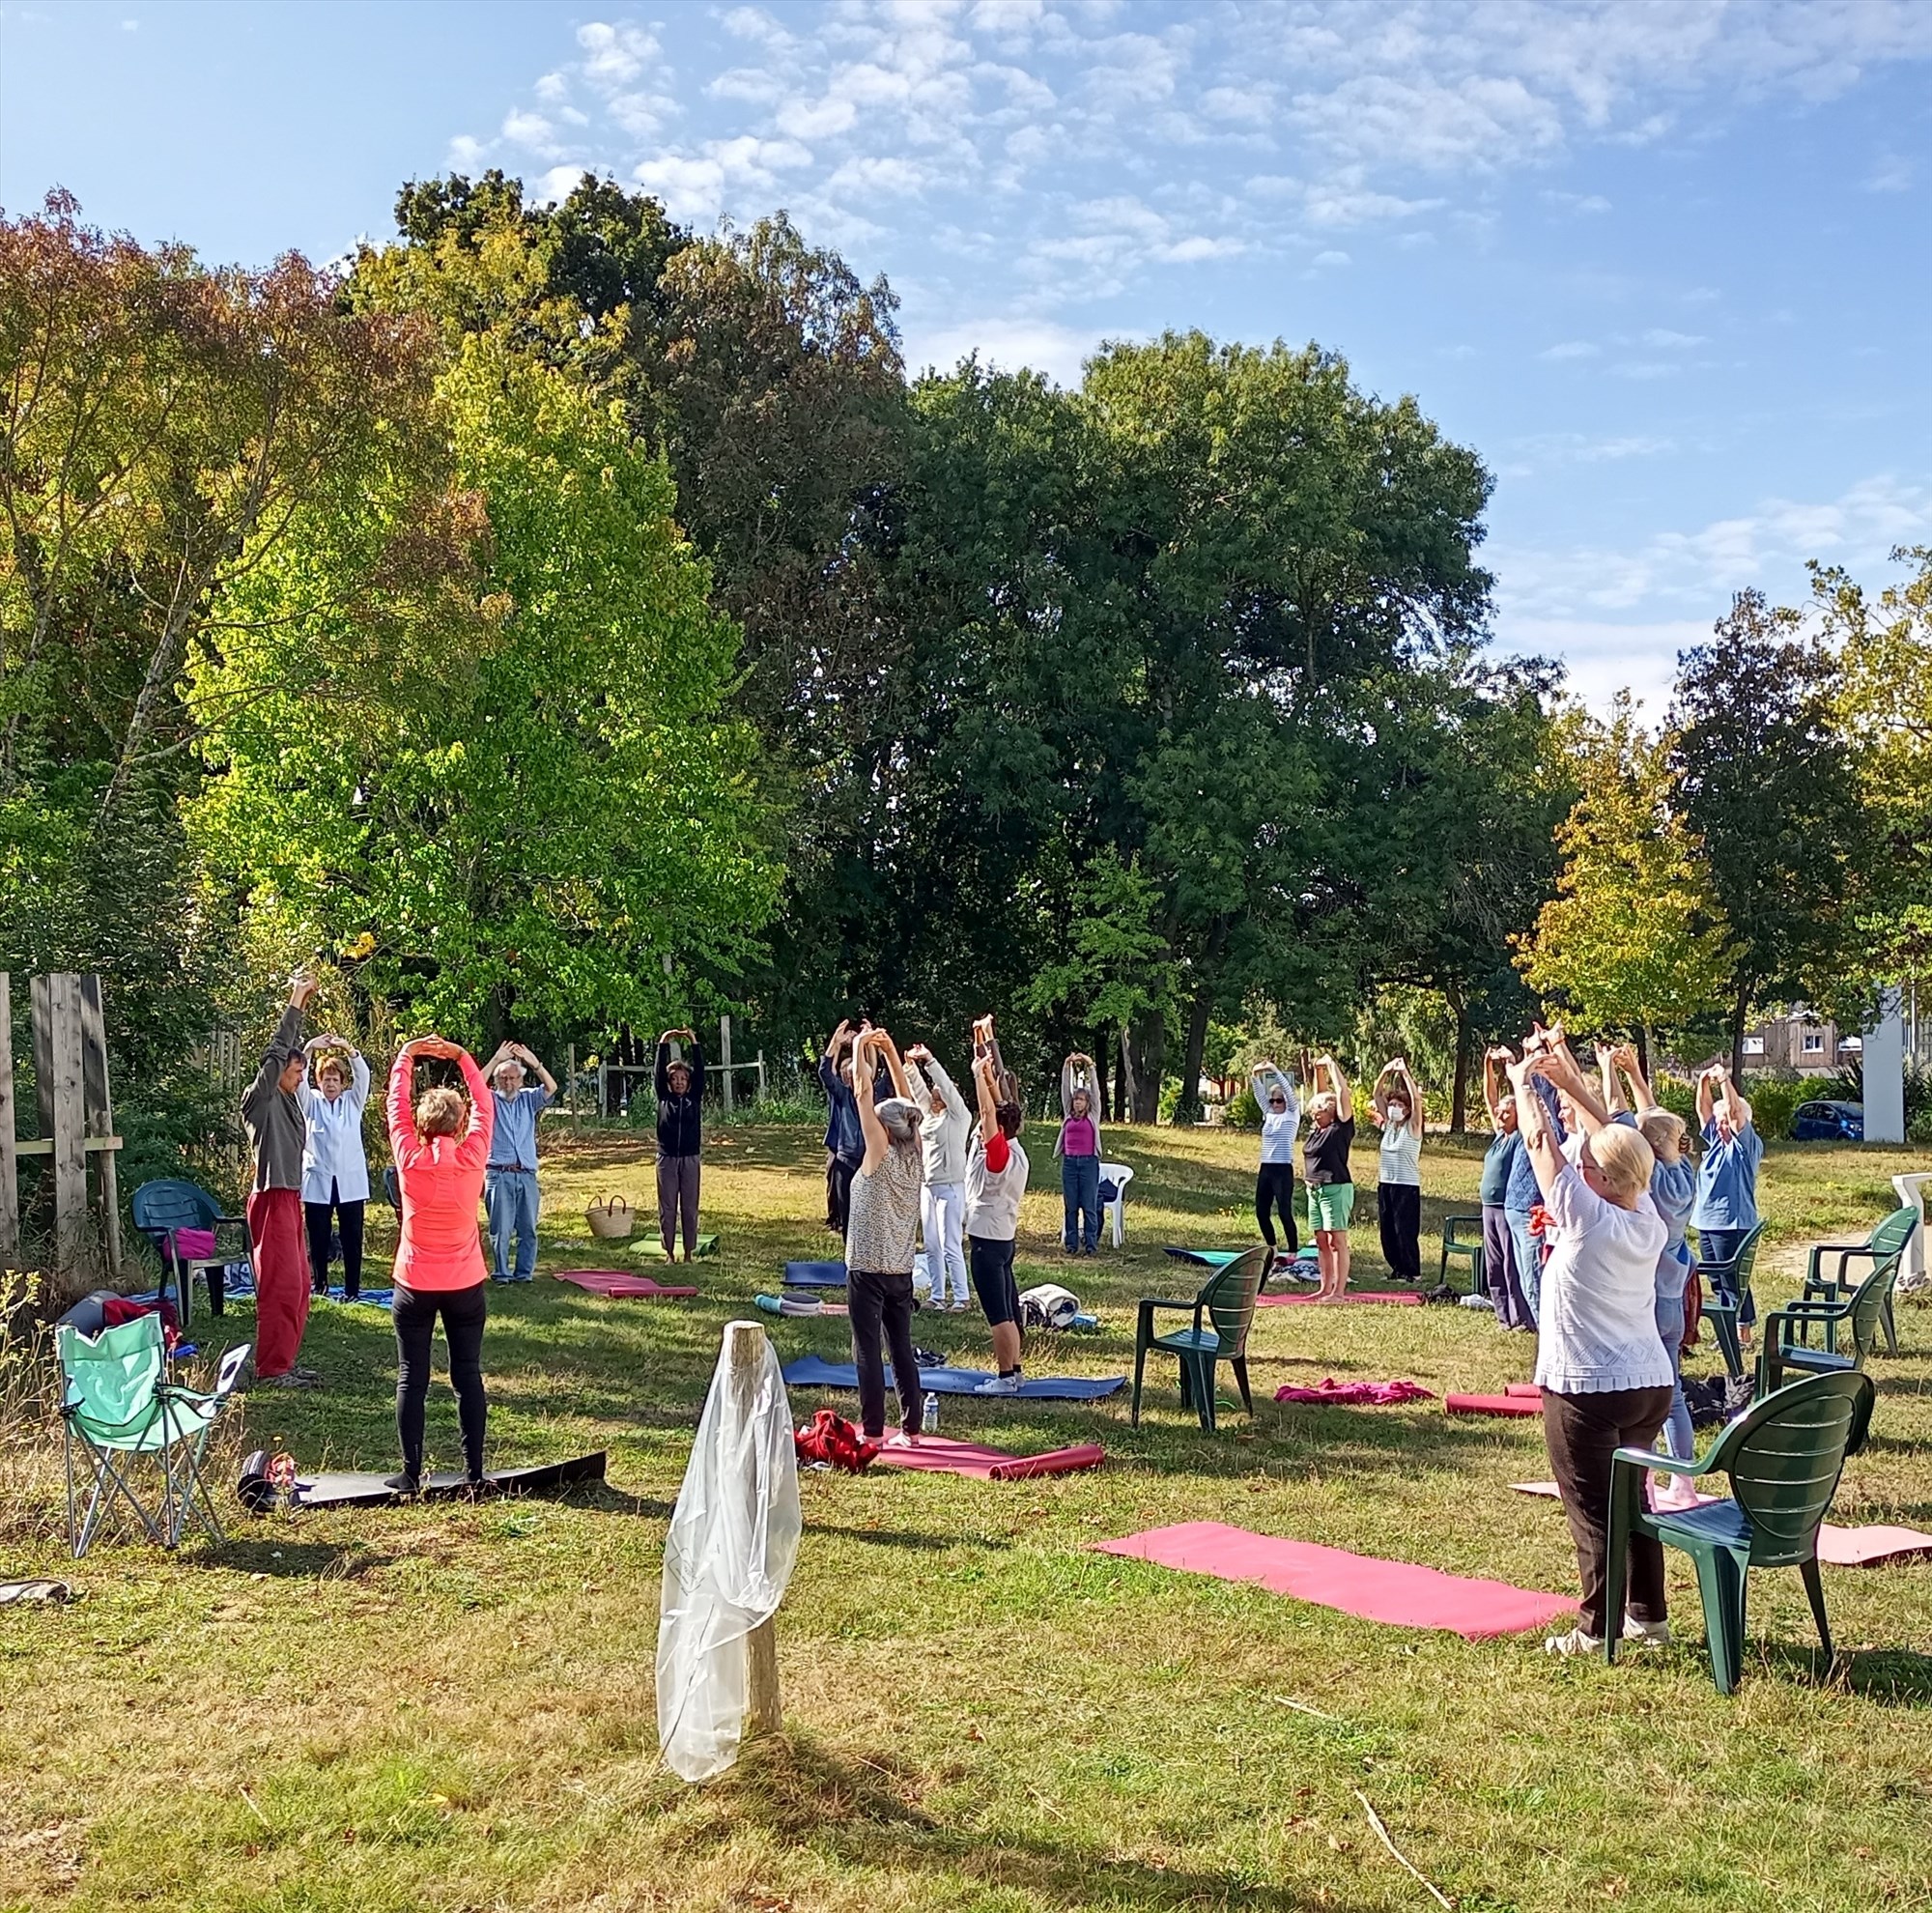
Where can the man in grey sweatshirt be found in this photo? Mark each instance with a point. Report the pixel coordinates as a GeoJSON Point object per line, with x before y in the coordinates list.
{"type": "Point", "coordinates": [277, 1132]}
{"type": "Point", "coordinates": [943, 1136]}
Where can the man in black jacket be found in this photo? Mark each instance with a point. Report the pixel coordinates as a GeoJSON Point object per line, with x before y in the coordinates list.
{"type": "Point", "coordinates": [680, 1082]}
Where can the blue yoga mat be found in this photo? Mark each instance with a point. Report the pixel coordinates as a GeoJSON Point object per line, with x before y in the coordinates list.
{"type": "Point", "coordinates": [815, 1275]}
{"type": "Point", "coordinates": [812, 1372]}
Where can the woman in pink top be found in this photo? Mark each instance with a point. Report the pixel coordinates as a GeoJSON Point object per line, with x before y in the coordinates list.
{"type": "Point", "coordinates": [1078, 1147]}
{"type": "Point", "coordinates": [442, 1149]}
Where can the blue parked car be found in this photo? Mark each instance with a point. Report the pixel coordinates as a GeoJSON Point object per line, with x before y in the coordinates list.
{"type": "Point", "coordinates": [1829, 1122]}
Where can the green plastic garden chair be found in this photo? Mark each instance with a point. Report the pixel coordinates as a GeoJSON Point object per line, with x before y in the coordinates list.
{"type": "Point", "coordinates": [1223, 1312]}
{"type": "Point", "coordinates": [117, 1406]}
{"type": "Point", "coordinates": [1736, 1275]}
{"type": "Point", "coordinates": [1783, 1456]}
{"type": "Point", "coordinates": [1891, 1238]}
{"type": "Point", "coordinates": [1462, 1241]}
{"type": "Point", "coordinates": [1785, 1344]}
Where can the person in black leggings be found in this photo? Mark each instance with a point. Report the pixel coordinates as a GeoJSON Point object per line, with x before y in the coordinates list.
{"type": "Point", "coordinates": [464, 1312]}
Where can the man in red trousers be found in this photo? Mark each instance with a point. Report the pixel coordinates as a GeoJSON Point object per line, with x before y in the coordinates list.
{"type": "Point", "coordinates": [276, 1131]}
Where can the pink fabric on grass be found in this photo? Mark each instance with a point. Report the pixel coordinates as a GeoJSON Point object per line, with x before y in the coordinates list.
{"type": "Point", "coordinates": [1357, 1394]}
{"type": "Point", "coordinates": [936, 1455]}
{"type": "Point", "coordinates": [1398, 1593]}
{"type": "Point", "coordinates": [621, 1283]}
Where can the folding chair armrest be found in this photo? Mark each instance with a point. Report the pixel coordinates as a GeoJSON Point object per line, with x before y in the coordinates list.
{"type": "Point", "coordinates": [1648, 1458]}
{"type": "Point", "coordinates": [1149, 1304]}
{"type": "Point", "coordinates": [230, 1222]}
{"type": "Point", "coordinates": [1817, 1310]}
{"type": "Point", "coordinates": [1819, 1250]}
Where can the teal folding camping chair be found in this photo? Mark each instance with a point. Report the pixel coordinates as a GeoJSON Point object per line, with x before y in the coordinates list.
{"type": "Point", "coordinates": [117, 1406]}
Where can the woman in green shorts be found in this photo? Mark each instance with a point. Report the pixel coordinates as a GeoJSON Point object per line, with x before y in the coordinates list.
{"type": "Point", "coordinates": [1324, 1170]}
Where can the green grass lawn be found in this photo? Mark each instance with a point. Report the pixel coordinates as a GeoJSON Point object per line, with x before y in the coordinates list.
{"type": "Point", "coordinates": [452, 1706]}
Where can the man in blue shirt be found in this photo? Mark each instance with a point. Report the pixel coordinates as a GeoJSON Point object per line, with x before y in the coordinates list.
{"type": "Point", "coordinates": [511, 1183]}
{"type": "Point", "coordinates": [844, 1140]}
{"type": "Point", "coordinates": [1726, 1206]}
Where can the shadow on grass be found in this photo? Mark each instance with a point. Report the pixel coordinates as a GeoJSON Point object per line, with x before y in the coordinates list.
{"type": "Point", "coordinates": [899, 1538]}
{"type": "Point", "coordinates": [1888, 1676]}
{"type": "Point", "coordinates": [865, 1813]}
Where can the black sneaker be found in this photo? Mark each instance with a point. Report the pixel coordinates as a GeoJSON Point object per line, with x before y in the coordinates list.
{"type": "Point", "coordinates": [403, 1482]}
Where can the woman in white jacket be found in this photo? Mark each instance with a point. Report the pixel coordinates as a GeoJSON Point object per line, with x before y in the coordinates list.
{"type": "Point", "coordinates": [335, 1170]}
{"type": "Point", "coordinates": [1281, 1125]}
{"type": "Point", "coordinates": [942, 1202]}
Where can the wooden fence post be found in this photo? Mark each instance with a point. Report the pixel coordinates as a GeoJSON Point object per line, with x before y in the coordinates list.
{"type": "Point", "coordinates": [10, 1176]}
{"type": "Point", "coordinates": [724, 1057]}
{"type": "Point", "coordinates": [60, 1089]}
{"type": "Point", "coordinates": [762, 1076]}
{"type": "Point", "coordinates": [570, 1087]}
{"type": "Point", "coordinates": [763, 1714]}
{"type": "Point", "coordinates": [97, 1097]}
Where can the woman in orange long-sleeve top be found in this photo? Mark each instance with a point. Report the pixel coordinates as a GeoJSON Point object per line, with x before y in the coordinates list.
{"type": "Point", "coordinates": [441, 1151]}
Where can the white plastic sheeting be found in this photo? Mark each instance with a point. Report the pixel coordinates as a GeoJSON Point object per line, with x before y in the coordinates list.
{"type": "Point", "coordinates": [729, 1555]}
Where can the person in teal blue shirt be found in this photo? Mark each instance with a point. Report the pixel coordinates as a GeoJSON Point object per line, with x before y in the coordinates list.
{"type": "Point", "coordinates": [1726, 1206]}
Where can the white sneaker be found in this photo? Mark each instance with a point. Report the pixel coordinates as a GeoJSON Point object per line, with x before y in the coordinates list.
{"type": "Point", "coordinates": [1572, 1644]}
{"type": "Point", "coordinates": [998, 1384]}
{"type": "Point", "coordinates": [1651, 1634]}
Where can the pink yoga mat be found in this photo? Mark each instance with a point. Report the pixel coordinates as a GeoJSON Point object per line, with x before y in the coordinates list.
{"type": "Point", "coordinates": [1356, 1394]}
{"type": "Point", "coordinates": [620, 1282]}
{"type": "Point", "coordinates": [938, 1455]}
{"type": "Point", "coordinates": [1406, 1297]}
{"type": "Point", "coordinates": [1395, 1592]}
{"type": "Point", "coordinates": [1838, 1547]}
{"type": "Point", "coordinates": [1523, 1405]}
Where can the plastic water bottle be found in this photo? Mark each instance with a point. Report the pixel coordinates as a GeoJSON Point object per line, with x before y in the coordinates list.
{"type": "Point", "coordinates": [929, 1422]}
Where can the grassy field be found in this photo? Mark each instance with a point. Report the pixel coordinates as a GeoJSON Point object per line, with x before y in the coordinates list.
{"type": "Point", "coordinates": [451, 1706]}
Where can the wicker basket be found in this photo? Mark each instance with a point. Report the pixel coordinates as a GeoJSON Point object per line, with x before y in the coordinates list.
{"type": "Point", "coordinates": [609, 1219]}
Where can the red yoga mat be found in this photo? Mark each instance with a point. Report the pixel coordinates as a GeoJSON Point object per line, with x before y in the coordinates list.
{"type": "Point", "coordinates": [1838, 1547]}
{"type": "Point", "coordinates": [937, 1455]}
{"type": "Point", "coordinates": [1407, 1298]}
{"type": "Point", "coordinates": [1524, 1405]}
{"type": "Point", "coordinates": [1398, 1593]}
{"type": "Point", "coordinates": [620, 1282]}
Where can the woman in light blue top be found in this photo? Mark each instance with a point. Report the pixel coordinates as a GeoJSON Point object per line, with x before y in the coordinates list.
{"type": "Point", "coordinates": [1726, 1206]}
{"type": "Point", "coordinates": [1500, 1162]}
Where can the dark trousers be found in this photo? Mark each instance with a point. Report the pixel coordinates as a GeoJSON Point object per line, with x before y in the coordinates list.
{"type": "Point", "coordinates": [1501, 1272]}
{"type": "Point", "coordinates": [1399, 1217]}
{"type": "Point", "coordinates": [838, 1173]}
{"type": "Point", "coordinates": [1274, 1189]}
{"type": "Point", "coordinates": [464, 1312]}
{"type": "Point", "coordinates": [317, 1215]}
{"type": "Point", "coordinates": [1080, 1198]}
{"type": "Point", "coordinates": [881, 1307]}
{"type": "Point", "coordinates": [677, 1200]}
{"type": "Point", "coordinates": [1582, 1433]}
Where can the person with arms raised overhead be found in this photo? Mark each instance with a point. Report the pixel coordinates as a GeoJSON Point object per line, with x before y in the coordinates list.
{"type": "Point", "coordinates": [272, 1111]}
{"type": "Point", "coordinates": [1281, 1125]}
{"type": "Point", "coordinates": [511, 1190]}
{"type": "Point", "coordinates": [881, 1234]}
{"type": "Point", "coordinates": [443, 1151]}
{"type": "Point", "coordinates": [680, 1087]}
{"type": "Point", "coordinates": [1499, 1160]}
{"type": "Point", "coordinates": [1078, 1147]}
{"type": "Point", "coordinates": [943, 1136]}
{"type": "Point", "coordinates": [844, 1141]}
{"type": "Point", "coordinates": [1325, 1169]}
{"type": "Point", "coordinates": [1726, 1206]}
{"type": "Point", "coordinates": [335, 1166]}
{"type": "Point", "coordinates": [996, 1179]}
{"type": "Point", "coordinates": [1398, 1113]}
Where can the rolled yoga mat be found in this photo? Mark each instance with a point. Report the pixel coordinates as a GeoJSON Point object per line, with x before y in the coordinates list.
{"type": "Point", "coordinates": [1398, 1593]}
{"type": "Point", "coordinates": [936, 1455]}
{"type": "Point", "coordinates": [815, 1275]}
{"type": "Point", "coordinates": [653, 1247]}
{"type": "Point", "coordinates": [1500, 1405]}
{"type": "Point", "coordinates": [810, 1372]}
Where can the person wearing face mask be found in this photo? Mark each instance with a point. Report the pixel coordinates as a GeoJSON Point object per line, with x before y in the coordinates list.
{"type": "Point", "coordinates": [1397, 1110]}
{"type": "Point", "coordinates": [1274, 1183]}
{"type": "Point", "coordinates": [335, 1169]}
{"type": "Point", "coordinates": [1600, 1363]}
{"type": "Point", "coordinates": [1726, 1206]}
{"type": "Point", "coordinates": [1499, 1159]}
{"type": "Point", "coordinates": [272, 1112]}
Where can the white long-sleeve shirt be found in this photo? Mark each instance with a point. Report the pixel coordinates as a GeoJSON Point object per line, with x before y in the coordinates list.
{"type": "Point", "coordinates": [1278, 1132]}
{"type": "Point", "coordinates": [333, 1152]}
{"type": "Point", "coordinates": [942, 1138]}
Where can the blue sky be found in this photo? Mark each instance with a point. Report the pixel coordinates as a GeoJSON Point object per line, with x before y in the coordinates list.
{"type": "Point", "coordinates": [1667, 265]}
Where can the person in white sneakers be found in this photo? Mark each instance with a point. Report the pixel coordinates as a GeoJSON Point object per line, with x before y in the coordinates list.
{"type": "Point", "coordinates": [996, 1179]}
{"type": "Point", "coordinates": [1600, 1362]}
{"type": "Point", "coordinates": [942, 1204]}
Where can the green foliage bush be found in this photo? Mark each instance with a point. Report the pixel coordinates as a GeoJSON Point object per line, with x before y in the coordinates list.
{"type": "Point", "coordinates": [1244, 1110]}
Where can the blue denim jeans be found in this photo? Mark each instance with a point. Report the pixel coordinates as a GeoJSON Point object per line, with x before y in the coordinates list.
{"type": "Point", "coordinates": [1528, 1263]}
{"type": "Point", "coordinates": [1722, 1246]}
{"type": "Point", "coordinates": [510, 1197]}
{"type": "Point", "coordinates": [1679, 1439]}
{"type": "Point", "coordinates": [1080, 1191]}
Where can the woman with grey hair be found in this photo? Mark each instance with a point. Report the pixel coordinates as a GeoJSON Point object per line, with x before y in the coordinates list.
{"type": "Point", "coordinates": [881, 1234]}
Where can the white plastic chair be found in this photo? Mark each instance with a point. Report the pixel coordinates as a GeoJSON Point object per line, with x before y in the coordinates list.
{"type": "Point", "coordinates": [1116, 1210]}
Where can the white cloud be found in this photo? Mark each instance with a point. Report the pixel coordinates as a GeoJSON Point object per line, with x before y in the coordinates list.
{"type": "Point", "coordinates": [1570, 349]}
{"type": "Point", "coordinates": [467, 155]}
{"type": "Point", "coordinates": [1330, 259]}
{"type": "Point", "coordinates": [533, 130]}
{"type": "Point", "coordinates": [1602, 658]}
{"type": "Point", "coordinates": [1009, 343]}
{"type": "Point", "coordinates": [702, 184]}
{"type": "Point", "coordinates": [1893, 173]}
{"type": "Point", "coordinates": [553, 89]}
{"type": "Point", "coordinates": [1661, 338]}
{"type": "Point", "coordinates": [614, 56]}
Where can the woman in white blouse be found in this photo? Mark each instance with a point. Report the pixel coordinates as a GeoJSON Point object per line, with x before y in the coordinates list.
{"type": "Point", "coordinates": [1395, 1106]}
{"type": "Point", "coordinates": [335, 1170]}
{"type": "Point", "coordinates": [1600, 1360]}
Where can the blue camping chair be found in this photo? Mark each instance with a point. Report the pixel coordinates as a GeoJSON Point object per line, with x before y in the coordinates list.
{"type": "Point", "coordinates": [163, 1207]}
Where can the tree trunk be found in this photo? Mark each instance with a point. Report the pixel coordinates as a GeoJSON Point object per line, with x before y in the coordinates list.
{"type": "Point", "coordinates": [1187, 1107]}
{"type": "Point", "coordinates": [1149, 1057]}
{"type": "Point", "coordinates": [1646, 1044]}
{"type": "Point", "coordinates": [1459, 1104]}
{"type": "Point", "coordinates": [1100, 1072]}
{"type": "Point", "coordinates": [1125, 1093]}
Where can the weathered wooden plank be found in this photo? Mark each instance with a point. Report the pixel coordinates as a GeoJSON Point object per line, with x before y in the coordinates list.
{"type": "Point", "coordinates": [10, 1176]}
{"type": "Point", "coordinates": [68, 1129]}
{"type": "Point", "coordinates": [99, 1099]}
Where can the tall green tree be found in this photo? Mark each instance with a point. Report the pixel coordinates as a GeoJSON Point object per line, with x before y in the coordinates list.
{"type": "Point", "coordinates": [559, 822]}
{"type": "Point", "coordinates": [1767, 784]}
